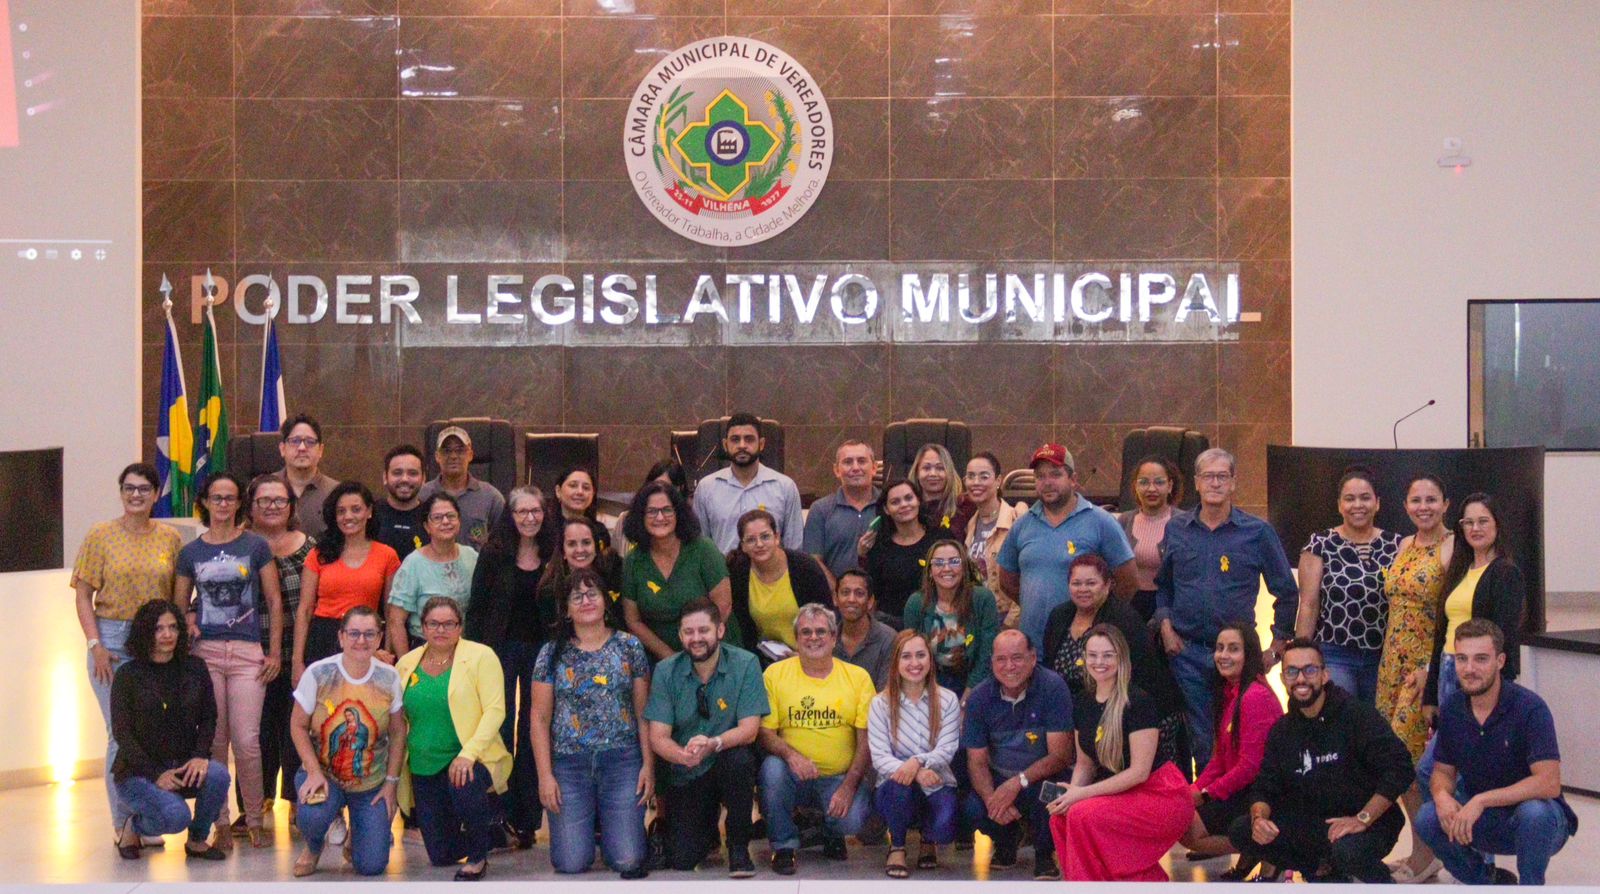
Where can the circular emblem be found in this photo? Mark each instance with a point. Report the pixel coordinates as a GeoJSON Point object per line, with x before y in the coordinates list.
{"type": "Point", "coordinates": [728, 141]}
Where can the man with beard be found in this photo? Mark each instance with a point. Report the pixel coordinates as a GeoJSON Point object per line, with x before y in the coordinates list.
{"type": "Point", "coordinates": [400, 513]}
{"type": "Point", "coordinates": [705, 709]}
{"type": "Point", "coordinates": [1497, 742]}
{"type": "Point", "coordinates": [726, 494]}
{"type": "Point", "coordinates": [1332, 771]}
{"type": "Point", "coordinates": [481, 502]}
{"type": "Point", "coordinates": [1036, 559]}
{"type": "Point", "coordinates": [300, 445]}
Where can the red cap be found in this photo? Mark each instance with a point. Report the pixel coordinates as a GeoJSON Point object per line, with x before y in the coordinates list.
{"type": "Point", "coordinates": [1054, 454]}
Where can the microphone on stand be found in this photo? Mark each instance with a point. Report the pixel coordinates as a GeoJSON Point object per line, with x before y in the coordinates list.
{"type": "Point", "coordinates": [1396, 430]}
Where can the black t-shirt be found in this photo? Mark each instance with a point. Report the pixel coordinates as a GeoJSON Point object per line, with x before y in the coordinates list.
{"type": "Point", "coordinates": [527, 621]}
{"type": "Point", "coordinates": [401, 529]}
{"type": "Point", "coordinates": [1139, 714]}
{"type": "Point", "coordinates": [896, 570]}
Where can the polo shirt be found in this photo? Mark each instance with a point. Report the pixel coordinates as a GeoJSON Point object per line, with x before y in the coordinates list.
{"type": "Point", "coordinates": [1502, 750]}
{"type": "Point", "coordinates": [1043, 553]}
{"type": "Point", "coordinates": [1015, 732]}
{"type": "Point", "coordinates": [832, 528]}
{"type": "Point", "coordinates": [481, 505]}
{"type": "Point", "coordinates": [720, 499]}
{"type": "Point", "coordinates": [308, 503]}
{"type": "Point", "coordinates": [873, 654]}
{"type": "Point", "coordinates": [1210, 578]}
{"type": "Point", "coordinates": [734, 692]}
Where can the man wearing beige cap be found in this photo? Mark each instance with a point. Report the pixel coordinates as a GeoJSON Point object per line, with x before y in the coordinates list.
{"type": "Point", "coordinates": [1061, 526]}
{"type": "Point", "coordinates": [481, 502]}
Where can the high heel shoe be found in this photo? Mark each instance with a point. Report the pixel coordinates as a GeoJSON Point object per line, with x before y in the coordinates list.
{"type": "Point", "coordinates": [128, 851]}
{"type": "Point", "coordinates": [259, 836]}
{"type": "Point", "coordinates": [223, 841]}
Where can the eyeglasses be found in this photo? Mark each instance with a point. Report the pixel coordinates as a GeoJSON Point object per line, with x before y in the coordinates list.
{"type": "Point", "coordinates": [660, 512]}
{"type": "Point", "coordinates": [272, 502]}
{"type": "Point", "coordinates": [138, 490]}
{"type": "Point", "coordinates": [1156, 482]}
{"type": "Point", "coordinates": [527, 513]}
{"type": "Point", "coordinates": [452, 451]}
{"type": "Point", "coordinates": [812, 632]}
{"type": "Point", "coordinates": [1476, 522]}
{"type": "Point", "coordinates": [583, 596]}
{"type": "Point", "coordinates": [702, 703]}
{"type": "Point", "coordinates": [361, 635]}
{"type": "Point", "coordinates": [440, 518]}
{"type": "Point", "coordinates": [222, 499]}
{"type": "Point", "coordinates": [302, 443]}
{"type": "Point", "coordinates": [946, 563]}
{"type": "Point", "coordinates": [763, 537]}
{"type": "Point", "coordinates": [441, 626]}
{"type": "Point", "coordinates": [1214, 477]}
{"type": "Point", "coordinates": [1295, 673]}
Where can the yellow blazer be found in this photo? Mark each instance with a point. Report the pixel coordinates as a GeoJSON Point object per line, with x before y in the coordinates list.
{"type": "Point", "coordinates": [477, 707]}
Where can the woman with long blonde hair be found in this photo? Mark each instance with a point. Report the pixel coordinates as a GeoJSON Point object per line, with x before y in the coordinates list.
{"type": "Point", "coordinates": [1127, 806]}
{"type": "Point", "coordinates": [913, 728]}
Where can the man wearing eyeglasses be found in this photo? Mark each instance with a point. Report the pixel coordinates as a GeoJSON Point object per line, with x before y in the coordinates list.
{"type": "Point", "coordinates": [705, 710]}
{"type": "Point", "coordinates": [1332, 771]}
{"type": "Point", "coordinates": [481, 502]}
{"type": "Point", "coordinates": [816, 741]}
{"type": "Point", "coordinates": [300, 445]}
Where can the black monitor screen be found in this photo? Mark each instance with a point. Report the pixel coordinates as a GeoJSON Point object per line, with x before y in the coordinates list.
{"type": "Point", "coordinates": [30, 509]}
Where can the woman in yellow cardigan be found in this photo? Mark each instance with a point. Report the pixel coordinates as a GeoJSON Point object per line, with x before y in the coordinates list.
{"type": "Point", "coordinates": [456, 765]}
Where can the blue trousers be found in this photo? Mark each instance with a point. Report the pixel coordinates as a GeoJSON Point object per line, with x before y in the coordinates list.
{"type": "Point", "coordinates": [1533, 830]}
{"type": "Point", "coordinates": [1008, 836]}
{"type": "Point", "coordinates": [114, 637]}
{"type": "Point", "coordinates": [371, 832]}
{"type": "Point", "coordinates": [598, 789]}
{"type": "Point", "coordinates": [455, 820]}
{"type": "Point", "coordinates": [781, 793]}
{"type": "Point", "coordinates": [1353, 670]}
{"type": "Point", "coordinates": [904, 806]}
{"type": "Point", "coordinates": [522, 790]}
{"type": "Point", "coordinates": [157, 811]}
{"type": "Point", "coordinates": [1449, 685]}
{"type": "Point", "coordinates": [1192, 668]}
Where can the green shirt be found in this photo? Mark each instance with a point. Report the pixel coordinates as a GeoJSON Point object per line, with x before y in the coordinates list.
{"type": "Point", "coordinates": [432, 744]}
{"type": "Point", "coordinates": [661, 599]}
{"type": "Point", "coordinates": [733, 693]}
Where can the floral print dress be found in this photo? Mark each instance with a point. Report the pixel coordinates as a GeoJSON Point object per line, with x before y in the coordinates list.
{"type": "Point", "coordinates": [1412, 585]}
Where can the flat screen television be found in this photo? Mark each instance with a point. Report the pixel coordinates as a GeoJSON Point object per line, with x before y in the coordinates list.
{"type": "Point", "coordinates": [1533, 373]}
{"type": "Point", "coordinates": [30, 510]}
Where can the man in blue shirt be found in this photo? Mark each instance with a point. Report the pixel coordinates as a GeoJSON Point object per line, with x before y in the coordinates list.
{"type": "Point", "coordinates": [1037, 555]}
{"type": "Point", "coordinates": [1018, 733]}
{"type": "Point", "coordinates": [746, 484]}
{"type": "Point", "coordinates": [1497, 742]}
{"type": "Point", "coordinates": [1211, 568]}
{"type": "Point", "coordinates": [837, 521]}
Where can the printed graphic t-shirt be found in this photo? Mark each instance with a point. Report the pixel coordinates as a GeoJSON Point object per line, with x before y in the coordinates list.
{"type": "Point", "coordinates": [227, 585]}
{"type": "Point", "coordinates": [819, 718]}
{"type": "Point", "coordinates": [350, 720]}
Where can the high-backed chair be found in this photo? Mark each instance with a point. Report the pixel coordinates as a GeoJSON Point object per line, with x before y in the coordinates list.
{"type": "Point", "coordinates": [1019, 486]}
{"type": "Point", "coordinates": [1181, 445]}
{"type": "Point", "coordinates": [545, 454]}
{"type": "Point", "coordinates": [703, 455]}
{"type": "Point", "coordinates": [254, 454]}
{"type": "Point", "coordinates": [494, 449]}
{"type": "Point", "coordinates": [902, 440]}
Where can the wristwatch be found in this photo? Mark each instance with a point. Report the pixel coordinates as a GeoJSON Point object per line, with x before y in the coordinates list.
{"type": "Point", "coordinates": [92, 643]}
{"type": "Point", "coordinates": [1023, 778]}
{"type": "Point", "coordinates": [1364, 818]}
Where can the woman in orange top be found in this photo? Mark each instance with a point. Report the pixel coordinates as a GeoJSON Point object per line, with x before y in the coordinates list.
{"type": "Point", "coordinates": [348, 568]}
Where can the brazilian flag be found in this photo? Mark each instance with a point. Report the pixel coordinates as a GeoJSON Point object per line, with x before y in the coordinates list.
{"type": "Point", "coordinates": [211, 423]}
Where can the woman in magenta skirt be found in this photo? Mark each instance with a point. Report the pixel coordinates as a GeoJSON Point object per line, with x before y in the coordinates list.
{"type": "Point", "coordinates": [1126, 806]}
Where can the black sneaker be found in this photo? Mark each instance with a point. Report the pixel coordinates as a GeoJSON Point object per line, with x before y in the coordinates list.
{"type": "Point", "coordinates": [1044, 868]}
{"type": "Point", "coordinates": [739, 863]}
{"type": "Point", "coordinates": [1503, 876]}
{"type": "Point", "coordinates": [835, 849]}
{"type": "Point", "coordinates": [1003, 858]}
{"type": "Point", "coordinates": [636, 872]}
{"type": "Point", "coordinates": [783, 862]}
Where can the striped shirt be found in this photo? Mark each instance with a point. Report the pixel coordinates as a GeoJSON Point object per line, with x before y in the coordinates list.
{"type": "Point", "coordinates": [911, 740]}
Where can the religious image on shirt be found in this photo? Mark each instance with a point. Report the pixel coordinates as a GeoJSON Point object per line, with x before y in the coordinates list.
{"type": "Point", "coordinates": [226, 581]}
{"type": "Point", "coordinates": [348, 737]}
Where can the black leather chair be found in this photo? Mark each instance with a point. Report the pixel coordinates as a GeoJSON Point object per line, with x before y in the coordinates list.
{"type": "Point", "coordinates": [254, 454]}
{"type": "Point", "coordinates": [494, 449]}
{"type": "Point", "coordinates": [544, 455]}
{"type": "Point", "coordinates": [702, 455]}
{"type": "Point", "coordinates": [1181, 445]}
{"type": "Point", "coordinates": [902, 440]}
{"type": "Point", "coordinates": [1019, 486]}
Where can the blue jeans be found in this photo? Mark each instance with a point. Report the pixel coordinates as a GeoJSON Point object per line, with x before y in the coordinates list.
{"type": "Point", "coordinates": [1533, 830]}
{"type": "Point", "coordinates": [781, 793]}
{"type": "Point", "coordinates": [1353, 670]}
{"type": "Point", "coordinates": [1449, 685]}
{"type": "Point", "coordinates": [114, 636]}
{"type": "Point", "coordinates": [597, 788]}
{"type": "Point", "coordinates": [1008, 836]}
{"type": "Point", "coordinates": [455, 820]}
{"type": "Point", "coordinates": [1192, 669]}
{"type": "Point", "coordinates": [903, 806]}
{"type": "Point", "coordinates": [157, 811]}
{"type": "Point", "coordinates": [371, 832]}
{"type": "Point", "coordinates": [522, 805]}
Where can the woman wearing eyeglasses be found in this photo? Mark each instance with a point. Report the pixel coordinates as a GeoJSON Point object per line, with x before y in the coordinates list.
{"type": "Point", "coordinates": [122, 564]}
{"type": "Point", "coordinates": [589, 692]}
{"type": "Point", "coordinates": [958, 619]}
{"type": "Point", "coordinates": [233, 581]}
{"type": "Point", "coordinates": [456, 763]}
{"type": "Point", "coordinates": [670, 566]}
{"type": "Point", "coordinates": [768, 583]}
{"type": "Point", "coordinates": [443, 567]}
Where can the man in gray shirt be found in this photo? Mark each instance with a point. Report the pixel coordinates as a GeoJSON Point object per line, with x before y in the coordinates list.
{"type": "Point", "coordinates": [723, 496]}
{"type": "Point", "coordinates": [481, 502]}
{"type": "Point", "coordinates": [300, 445]}
{"type": "Point", "coordinates": [864, 641]}
{"type": "Point", "coordinates": [838, 520]}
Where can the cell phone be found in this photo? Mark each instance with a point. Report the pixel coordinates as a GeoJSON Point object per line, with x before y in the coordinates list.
{"type": "Point", "coordinates": [1049, 791]}
{"type": "Point", "coordinates": [318, 796]}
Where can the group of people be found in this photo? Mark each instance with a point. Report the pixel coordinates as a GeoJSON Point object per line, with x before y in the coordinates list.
{"type": "Point", "coordinates": [917, 656]}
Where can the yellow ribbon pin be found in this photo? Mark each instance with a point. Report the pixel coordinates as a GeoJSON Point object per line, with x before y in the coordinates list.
{"type": "Point", "coordinates": [602, 679]}
{"type": "Point", "coordinates": [1072, 548]}
{"type": "Point", "coordinates": [654, 587]}
{"type": "Point", "coordinates": [244, 571]}
{"type": "Point", "coordinates": [614, 595]}
{"type": "Point", "coordinates": [968, 640]}
{"type": "Point", "coordinates": [945, 523]}
{"type": "Point", "coordinates": [1099, 733]}
{"type": "Point", "coordinates": [722, 704]}
{"type": "Point", "coordinates": [1033, 738]}
{"type": "Point", "coordinates": [1224, 564]}
{"type": "Point", "coordinates": [413, 680]}
{"type": "Point", "coordinates": [922, 562]}
{"type": "Point", "coordinates": [416, 541]}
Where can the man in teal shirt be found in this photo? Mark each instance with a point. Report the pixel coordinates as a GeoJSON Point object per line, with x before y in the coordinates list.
{"type": "Point", "coordinates": [705, 709]}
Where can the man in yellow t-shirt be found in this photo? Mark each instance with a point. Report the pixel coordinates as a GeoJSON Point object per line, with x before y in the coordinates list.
{"type": "Point", "coordinates": [816, 741]}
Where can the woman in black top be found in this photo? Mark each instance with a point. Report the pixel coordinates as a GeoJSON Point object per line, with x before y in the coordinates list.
{"type": "Point", "coordinates": [761, 555]}
{"type": "Point", "coordinates": [575, 498]}
{"type": "Point", "coordinates": [1500, 596]}
{"type": "Point", "coordinates": [578, 545]}
{"type": "Point", "coordinates": [893, 552]}
{"type": "Point", "coordinates": [504, 614]}
{"type": "Point", "coordinates": [163, 717]}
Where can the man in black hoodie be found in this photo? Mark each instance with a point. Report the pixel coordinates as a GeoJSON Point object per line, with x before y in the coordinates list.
{"type": "Point", "coordinates": [1333, 768]}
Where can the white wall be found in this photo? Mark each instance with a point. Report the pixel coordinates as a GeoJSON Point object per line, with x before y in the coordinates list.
{"type": "Point", "coordinates": [51, 721]}
{"type": "Point", "coordinates": [1388, 247]}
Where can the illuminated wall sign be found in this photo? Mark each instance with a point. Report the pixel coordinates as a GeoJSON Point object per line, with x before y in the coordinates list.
{"type": "Point", "coordinates": [728, 141]}
{"type": "Point", "coordinates": [821, 304]}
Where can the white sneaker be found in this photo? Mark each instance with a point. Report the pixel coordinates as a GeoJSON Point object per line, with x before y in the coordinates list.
{"type": "Point", "coordinates": [1403, 875]}
{"type": "Point", "coordinates": [338, 832]}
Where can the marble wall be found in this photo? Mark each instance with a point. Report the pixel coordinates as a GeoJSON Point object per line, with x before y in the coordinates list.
{"type": "Point", "coordinates": [474, 136]}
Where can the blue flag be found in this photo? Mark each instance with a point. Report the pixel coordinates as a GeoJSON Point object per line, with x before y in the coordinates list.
{"type": "Point", "coordinates": [174, 438]}
{"type": "Point", "coordinates": [273, 409]}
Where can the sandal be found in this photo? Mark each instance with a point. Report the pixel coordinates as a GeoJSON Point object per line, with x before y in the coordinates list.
{"type": "Point", "coordinates": [128, 851]}
{"type": "Point", "coordinates": [259, 836]}
{"type": "Point", "coordinates": [929, 858]}
{"type": "Point", "coordinates": [305, 864]}
{"type": "Point", "coordinates": [893, 869]}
